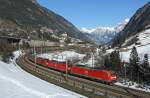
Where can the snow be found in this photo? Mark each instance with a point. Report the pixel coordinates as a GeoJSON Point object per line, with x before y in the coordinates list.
{"type": "Point", "coordinates": [87, 30]}
{"type": "Point", "coordinates": [68, 55]}
{"type": "Point", "coordinates": [98, 29]}
{"type": "Point", "coordinates": [109, 51]}
{"type": "Point", "coordinates": [16, 83]}
{"type": "Point", "coordinates": [134, 86]}
{"type": "Point", "coordinates": [142, 49]}
{"type": "Point", "coordinates": [127, 20]}
{"type": "Point", "coordinates": [90, 62]}
{"type": "Point", "coordinates": [62, 56]}
{"type": "Point", "coordinates": [144, 37]}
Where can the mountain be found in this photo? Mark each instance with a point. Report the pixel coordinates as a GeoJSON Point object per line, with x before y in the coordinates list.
{"type": "Point", "coordinates": [138, 23]}
{"type": "Point", "coordinates": [102, 35]}
{"type": "Point", "coordinates": [26, 18]}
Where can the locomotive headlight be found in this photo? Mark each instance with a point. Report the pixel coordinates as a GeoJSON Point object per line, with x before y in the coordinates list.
{"type": "Point", "coordinates": [113, 77]}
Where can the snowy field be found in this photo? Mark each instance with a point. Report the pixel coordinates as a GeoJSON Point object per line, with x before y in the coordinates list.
{"type": "Point", "coordinates": [16, 83]}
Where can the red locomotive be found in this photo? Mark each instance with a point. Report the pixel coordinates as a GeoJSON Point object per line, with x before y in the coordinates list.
{"type": "Point", "coordinates": [102, 75]}
{"type": "Point", "coordinates": [82, 71]}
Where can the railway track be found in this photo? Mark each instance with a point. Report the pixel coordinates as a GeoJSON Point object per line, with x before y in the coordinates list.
{"type": "Point", "coordinates": [82, 86]}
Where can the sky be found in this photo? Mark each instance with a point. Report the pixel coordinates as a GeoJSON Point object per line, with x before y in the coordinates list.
{"type": "Point", "coordinates": [94, 13]}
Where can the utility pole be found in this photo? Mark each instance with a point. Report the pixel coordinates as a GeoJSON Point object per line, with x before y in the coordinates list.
{"type": "Point", "coordinates": [42, 43]}
{"type": "Point", "coordinates": [138, 75]}
{"type": "Point", "coordinates": [34, 53]}
{"type": "Point", "coordinates": [138, 78]}
{"type": "Point", "coordinates": [66, 68]}
{"type": "Point", "coordinates": [92, 59]}
{"type": "Point", "coordinates": [19, 49]}
{"type": "Point", "coordinates": [125, 73]}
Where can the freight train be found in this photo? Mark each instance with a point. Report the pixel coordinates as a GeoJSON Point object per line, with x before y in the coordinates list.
{"type": "Point", "coordinates": [104, 76]}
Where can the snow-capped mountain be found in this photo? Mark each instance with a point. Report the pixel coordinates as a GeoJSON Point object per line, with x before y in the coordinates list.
{"type": "Point", "coordinates": [102, 35]}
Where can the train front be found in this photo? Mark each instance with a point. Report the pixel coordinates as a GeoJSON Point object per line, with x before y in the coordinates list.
{"type": "Point", "coordinates": [112, 77]}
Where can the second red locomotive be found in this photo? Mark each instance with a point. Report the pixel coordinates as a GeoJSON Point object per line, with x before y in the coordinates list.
{"type": "Point", "coordinates": [82, 71]}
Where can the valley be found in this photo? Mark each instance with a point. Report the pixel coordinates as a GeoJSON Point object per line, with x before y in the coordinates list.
{"type": "Point", "coordinates": [111, 61]}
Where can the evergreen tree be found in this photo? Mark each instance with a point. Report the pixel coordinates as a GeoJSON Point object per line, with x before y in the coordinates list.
{"type": "Point", "coordinates": [115, 61]}
{"type": "Point", "coordinates": [6, 49]}
{"type": "Point", "coordinates": [134, 62]}
{"type": "Point", "coordinates": [145, 62]}
{"type": "Point", "coordinates": [107, 63]}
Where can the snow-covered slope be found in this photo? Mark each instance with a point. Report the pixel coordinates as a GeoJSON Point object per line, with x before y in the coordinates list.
{"type": "Point", "coordinates": [16, 83]}
{"type": "Point", "coordinates": [142, 44]}
{"type": "Point", "coordinates": [102, 35]}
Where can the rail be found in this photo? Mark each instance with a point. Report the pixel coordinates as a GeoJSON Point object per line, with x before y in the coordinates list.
{"type": "Point", "coordinates": [82, 86]}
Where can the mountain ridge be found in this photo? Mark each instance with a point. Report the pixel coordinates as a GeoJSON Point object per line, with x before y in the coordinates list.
{"type": "Point", "coordinates": [22, 18]}
{"type": "Point", "coordinates": [139, 22]}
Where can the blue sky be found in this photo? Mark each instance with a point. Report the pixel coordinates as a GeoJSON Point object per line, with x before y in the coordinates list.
{"type": "Point", "coordinates": [93, 13]}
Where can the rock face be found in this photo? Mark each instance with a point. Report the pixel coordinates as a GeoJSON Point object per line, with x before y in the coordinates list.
{"type": "Point", "coordinates": [139, 22]}
{"type": "Point", "coordinates": [26, 18]}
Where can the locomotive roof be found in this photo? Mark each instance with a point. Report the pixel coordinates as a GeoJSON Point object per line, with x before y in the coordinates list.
{"type": "Point", "coordinates": [93, 68]}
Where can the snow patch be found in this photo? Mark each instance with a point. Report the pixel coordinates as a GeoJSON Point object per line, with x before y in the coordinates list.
{"type": "Point", "coordinates": [134, 86]}
{"type": "Point", "coordinates": [16, 83]}
{"type": "Point", "coordinates": [62, 56]}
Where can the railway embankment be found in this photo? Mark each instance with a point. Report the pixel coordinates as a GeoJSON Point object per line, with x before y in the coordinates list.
{"type": "Point", "coordinates": [85, 87]}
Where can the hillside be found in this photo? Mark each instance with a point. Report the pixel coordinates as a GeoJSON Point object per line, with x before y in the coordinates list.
{"type": "Point", "coordinates": [138, 23]}
{"type": "Point", "coordinates": [136, 33]}
{"type": "Point", "coordinates": [26, 18]}
{"type": "Point", "coordinates": [142, 45]}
